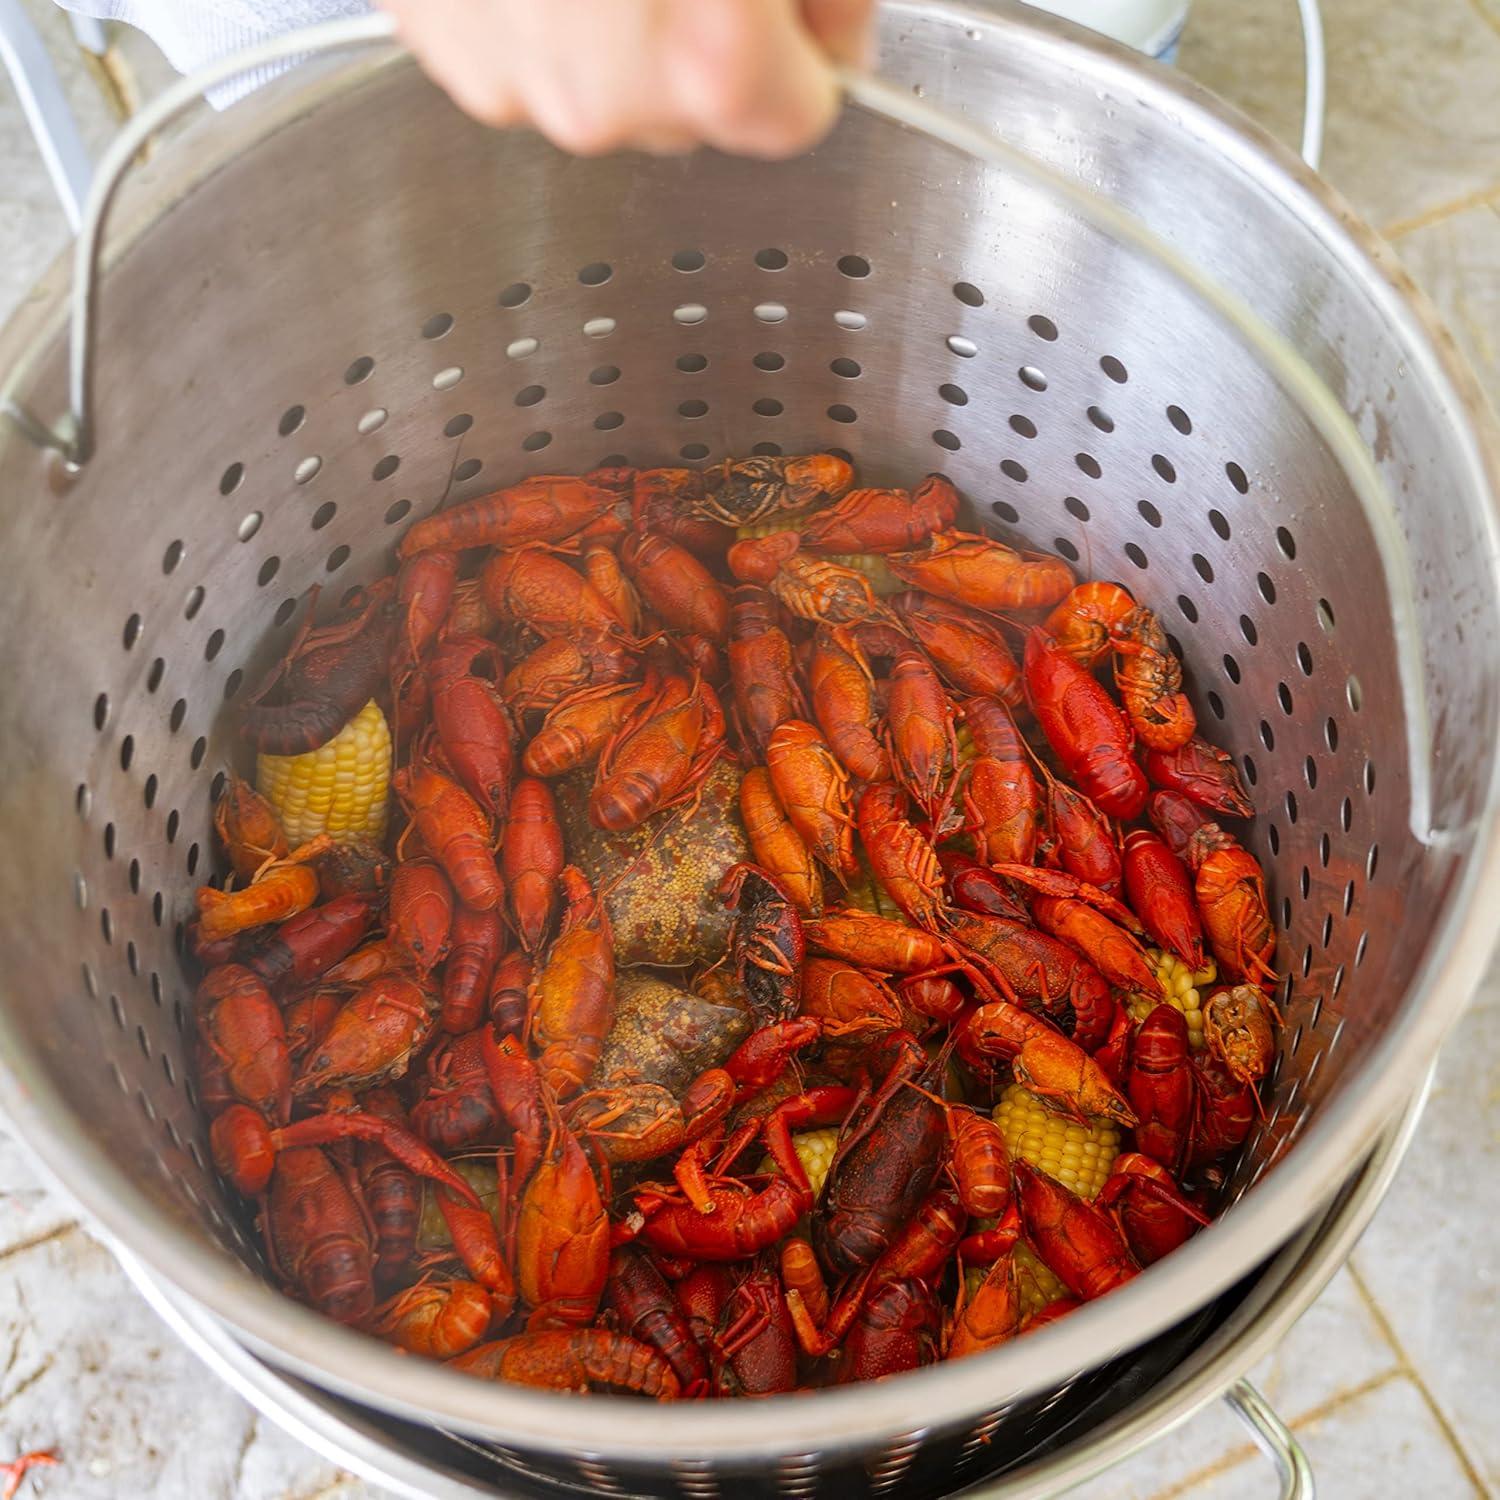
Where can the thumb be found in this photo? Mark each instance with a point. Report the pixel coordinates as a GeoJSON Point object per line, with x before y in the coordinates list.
{"type": "Point", "coordinates": [844, 29]}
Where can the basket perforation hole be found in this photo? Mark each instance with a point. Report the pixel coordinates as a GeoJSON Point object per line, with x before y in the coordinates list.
{"type": "Point", "coordinates": [770, 361]}
{"type": "Point", "coordinates": [529, 395]}
{"type": "Point", "coordinates": [291, 419]}
{"type": "Point", "coordinates": [154, 675]}
{"type": "Point", "coordinates": [106, 924]}
{"type": "Point", "coordinates": [1032, 378]}
{"type": "Point", "coordinates": [385, 467]}
{"type": "Point", "coordinates": [1304, 658]}
{"type": "Point", "coordinates": [144, 1043]}
{"type": "Point", "coordinates": [595, 274]}
{"type": "Point", "coordinates": [1114, 369]}
{"type": "Point", "coordinates": [850, 320]}
{"type": "Point", "coordinates": [1164, 469]}
{"type": "Point", "coordinates": [1203, 568]}
{"type": "Point", "coordinates": [174, 821]}
{"type": "Point", "coordinates": [771, 260]}
{"type": "Point", "coordinates": [947, 440]}
{"type": "Point", "coordinates": [1273, 838]}
{"type": "Point", "coordinates": [1310, 772]}
{"type": "Point", "coordinates": [1076, 508]}
{"type": "Point", "coordinates": [1022, 426]}
{"type": "Point", "coordinates": [446, 379]}
{"type": "Point", "coordinates": [148, 792]}
{"type": "Point", "coordinates": [1304, 881]}
{"type": "Point", "coordinates": [127, 751]}
{"type": "Point", "coordinates": [80, 891]}
{"type": "Point", "coordinates": [1291, 806]}
{"type": "Point", "coordinates": [336, 559]}
{"type": "Point", "coordinates": [1325, 849]}
{"type": "Point", "coordinates": [117, 1010]}
{"type": "Point", "coordinates": [607, 421]}
{"type": "Point", "coordinates": [1149, 513]}
{"type": "Point", "coordinates": [967, 349]}
{"type": "Point", "coordinates": [1248, 630]}
{"type": "Point", "coordinates": [216, 786]}
{"type": "Point", "coordinates": [855, 267]}
{"type": "Point", "coordinates": [1326, 621]}
{"type": "Point", "coordinates": [1065, 548]}
{"type": "Point", "coordinates": [1286, 913]}
{"type": "Point", "coordinates": [766, 406]}
{"type": "Point", "coordinates": [324, 514]}
{"type": "Point", "coordinates": [1361, 948]}
{"type": "Point", "coordinates": [1348, 897]}
{"type": "Point", "coordinates": [83, 800]}
{"type": "Point", "coordinates": [1180, 420]}
{"type": "Point", "coordinates": [109, 841]}
{"type": "Point", "coordinates": [178, 714]}
{"type": "Point", "coordinates": [359, 370]}
{"type": "Point", "coordinates": [1088, 464]}
{"type": "Point", "coordinates": [517, 294]}
{"type": "Point", "coordinates": [1005, 511]}
{"type": "Point", "coordinates": [838, 412]}
{"type": "Point", "coordinates": [1220, 523]}
{"type": "Point", "coordinates": [773, 312]}
{"type": "Point", "coordinates": [1237, 478]}
{"type": "Point", "coordinates": [307, 470]}
{"type": "Point", "coordinates": [1307, 958]}
{"type": "Point", "coordinates": [968, 294]}
{"type": "Point", "coordinates": [1252, 774]}
{"type": "Point", "coordinates": [599, 328]}
{"type": "Point", "coordinates": [1346, 814]}
{"type": "Point", "coordinates": [693, 452]}
{"type": "Point", "coordinates": [1136, 554]}
{"type": "Point", "coordinates": [1284, 698]}
{"type": "Point", "coordinates": [1327, 932]}
{"type": "Point", "coordinates": [249, 525]}
{"type": "Point", "coordinates": [1187, 609]}
{"type": "Point", "coordinates": [1231, 669]}
{"type": "Point", "coordinates": [1267, 735]}
{"type": "Point", "coordinates": [371, 421]}
{"type": "Point", "coordinates": [846, 369]}
{"type": "Point", "coordinates": [268, 570]}
{"type": "Point", "coordinates": [1372, 861]}
{"type": "Point", "coordinates": [1043, 327]}
{"type": "Point", "coordinates": [767, 450]}
{"type": "Point", "coordinates": [1215, 704]}
{"type": "Point", "coordinates": [133, 877]}
{"type": "Point", "coordinates": [173, 555]}
{"type": "Point", "coordinates": [192, 859]}
{"type": "Point", "coordinates": [1286, 543]}
{"type": "Point", "coordinates": [1101, 419]}
{"type": "Point", "coordinates": [394, 513]}
{"type": "Point", "coordinates": [213, 645]}
{"type": "Point", "coordinates": [171, 1076]}
{"type": "Point", "coordinates": [956, 395]}
{"type": "Point", "coordinates": [692, 409]}
{"type": "Point", "coordinates": [1013, 470]}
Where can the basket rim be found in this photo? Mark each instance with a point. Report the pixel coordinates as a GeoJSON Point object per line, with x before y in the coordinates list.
{"type": "Point", "coordinates": [946, 1395]}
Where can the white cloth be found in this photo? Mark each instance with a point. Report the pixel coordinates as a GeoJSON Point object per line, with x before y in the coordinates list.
{"type": "Point", "coordinates": [193, 32]}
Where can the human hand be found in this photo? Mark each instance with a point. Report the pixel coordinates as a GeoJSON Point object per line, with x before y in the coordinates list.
{"type": "Point", "coordinates": [748, 76]}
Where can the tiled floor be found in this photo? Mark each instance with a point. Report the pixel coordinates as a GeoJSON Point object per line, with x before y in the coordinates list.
{"type": "Point", "coordinates": [1392, 1380]}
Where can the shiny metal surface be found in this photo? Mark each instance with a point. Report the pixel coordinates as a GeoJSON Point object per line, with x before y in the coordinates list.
{"type": "Point", "coordinates": [483, 307]}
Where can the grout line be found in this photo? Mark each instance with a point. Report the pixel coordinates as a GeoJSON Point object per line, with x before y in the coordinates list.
{"type": "Point", "coordinates": [1449, 1431]}
{"type": "Point", "coordinates": [36, 1241]}
{"type": "Point", "coordinates": [1480, 198]}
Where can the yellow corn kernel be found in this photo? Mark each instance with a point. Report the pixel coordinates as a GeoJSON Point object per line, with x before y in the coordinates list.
{"type": "Point", "coordinates": [1035, 1283]}
{"type": "Point", "coordinates": [815, 1149]}
{"type": "Point", "coordinates": [1180, 986]}
{"type": "Point", "coordinates": [865, 893]}
{"type": "Point", "coordinates": [1078, 1156]}
{"type": "Point", "coordinates": [341, 788]}
{"type": "Point", "coordinates": [883, 583]}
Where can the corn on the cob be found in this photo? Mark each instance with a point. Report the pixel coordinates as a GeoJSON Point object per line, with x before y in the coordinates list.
{"type": "Point", "coordinates": [815, 1149]}
{"type": "Point", "coordinates": [865, 893]}
{"type": "Point", "coordinates": [1036, 1285]}
{"type": "Point", "coordinates": [883, 583]}
{"type": "Point", "coordinates": [1079, 1156]}
{"type": "Point", "coordinates": [341, 788]}
{"type": "Point", "coordinates": [1180, 986]}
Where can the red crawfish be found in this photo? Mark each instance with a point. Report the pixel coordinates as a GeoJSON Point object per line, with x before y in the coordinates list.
{"type": "Point", "coordinates": [559, 668]}
{"type": "Point", "coordinates": [898, 1328]}
{"type": "Point", "coordinates": [438, 1319]}
{"type": "Point", "coordinates": [420, 920]}
{"type": "Point", "coordinates": [884, 944]}
{"type": "Point", "coordinates": [920, 736]}
{"type": "Point", "coordinates": [472, 723]}
{"type": "Point", "coordinates": [391, 1193]}
{"type": "Point", "coordinates": [280, 890]}
{"type": "Point", "coordinates": [876, 520]}
{"type": "Point", "coordinates": [546, 508]}
{"type": "Point", "coordinates": [1238, 1026]}
{"type": "Point", "coordinates": [1001, 799]}
{"type": "Point", "coordinates": [977, 888]}
{"type": "Point", "coordinates": [1203, 773]}
{"type": "Point", "coordinates": [508, 991]}
{"type": "Point", "coordinates": [1056, 1070]}
{"type": "Point", "coordinates": [1030, 966]}
{"type": "Point", "coordinates": [813, 788]}
{"type": "Point", "coordinates": [455, 1106]}
{"type": "Point", "coordinates": [371, 1039]}
{"type": "Point", "coordinates": [562, 1237]}
{"type": "Point", "coordinates": [248, 828]}
{"type": "Point", "coordinates": [1151, 1211]}
{"type": "Point", "coordinates": [477, 940]}
{"type": "Point", "coordinates": [848, 1001]}
{"type": "Point", "coordinates": [740, 1320]}
{"type": "Point", "coordinates": [1230, 887]}
{"type": "Point", "coordinates": [903, 861]}
{"type": "Point", "coordinates": [1083, 840]}
{"type": "Point", "coordinates": [666, 501]}
{"type": "Point", "coordinates": [534, 585]}
{"type": "Point", "coordinates": [306, 1018]}
{"type": "Point", "coordinates": [742, 491]}
{"type": "Point", "coordinates": [468, 614]}
{"type": "Point", "coordinates": [602, 568]}
{"type": "Point", "coordinates": [1108, 946]}
{"type": "Point", "coordinates": [577, 1359]}
{"type": "Point", "coordinates": [992, 1315]}
{"type": "Point", "coordinates": [842, 689]}
{"type": "Point", "coordinates": [776, 844]}
{"type": "Point", "coordinates": [242, 1036]}
{"type": "Point", "coordinates": [1148, 677]}
{"type": "Point", "coordinates": [455, 830]}
{"type": "Point", "coordinates": [981, 1163]}
{"type": "Point", "coordinates": [1084, 622]}
{"type": "Point", "coordinates": [677, 587]}
{"type": "Point", "coordinates": [577, 728]}
{"type": "Point", "coordinates": [966, 647]}
{"type": "Point", "coordinates": [424, 597]}
{"type": "Point", "coordinates": [313, 941]}
{"type": "Point", "coordinates": [1224, 1110]}
{"type": "Point", "coordinates": [1162, 895]}
{"type": "Point", "coordinates": [317, 1236]}
{"type": "Point", "coordinates": [812, 588]}
{"type": "Point", "coordinates": [766, 943]}
{"type": "Point", "coordinates": [572, 1002]}
{"type": "Point", "coordinates": [642, 1304]}
{"type": "Point", "coordinates": [1078, 1240]}
{"type": "Point", "coordinates": [1084, 726]}
{"type": "Point", "coordinates": [1160, 1086]}
{"type": "Point", "coordinates": [760, 666]}
{"type": "Point", "coordinates": [888, 1157]}
{"type": "Point", "coordinates": [531, 856]}
{"type": "Point", "coordinates": [982, 573]}
{"type": "Point", "coordinates": [659, 756]}
{"type": "Point", "coordinates": [516, 1086]}
{"type": "Point", "coordinates": [327, 675]}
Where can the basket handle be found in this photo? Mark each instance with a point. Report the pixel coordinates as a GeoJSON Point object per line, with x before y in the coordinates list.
{"type": "Point", "coordinates": [74, 438]}
{"type": "Point", "coordinates": [1275, 1439]}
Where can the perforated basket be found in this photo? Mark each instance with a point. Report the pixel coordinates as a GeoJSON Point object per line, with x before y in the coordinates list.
{"type": "Point", "coordinates": [342, 302]}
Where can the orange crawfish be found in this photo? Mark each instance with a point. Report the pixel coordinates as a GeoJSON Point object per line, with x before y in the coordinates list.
{"type": "Point", "coordinates": [1230, 887]}
{"type": "Point", "coordinates": [1055, 1069]}
{"type": "Point", "coordinates": [776, 844]}
{"type": "Point", "coordinates": [679, 589]}
{"type": "Point", "coordinates": [242, 1037]}
{"type": "Point", "coordinates": [531, 855]}
{"type": "Point", "coordinates": [660, 755]}
{"type": "Point", "coordinates": [875, 520]}
{"type": "Point", "coordinates": [920, 736]}
{"type": "Point", "coordinates": [1159, 890]}
{"type": "Point", "coordinates": [559, 668]}
{"type": "Point", "coordinates": [544, 509]}
{"type": "Point", "coordinates": [311, 942]}
{"type": "Point", "coordinates": [1080, 1242]}
{"type": "Point", "coordinates": [371, 1039]}
{"type": "Point", "coordinates": [317, 1236]}
{"type": "Point", "coordinates": [760, 666]}
{"type": "Point", "coordinates": [842, 688]}
{"type": "Point", "coordinates": [742, 491]}
{"type": "Point", "coordinates": [863, 938]}
{"type": "Point", "coordinates": [455, 831]}
{"type": "Point", "coordinates": [1084, 622]}
{"type": "Point", "coordinates": [982, 573]}
{"type": "Point", "coordinates": [981, 1163]}
{"type": "Point", "coordinates": [602, 568]}
{"type": "Point", "coordinates": [812, 588]}
{"type": "Point", "coordinates": [534, 585]}
{"type": "Point", "coordinates": [966, 647]}
{"type": "Point", "coordinates": [1082, 840]}
{"type": "Point", "coordinates": [1203, 773]}
{"type": "Point", "coordinates": [1148, 677]}
{"type": "Point", "coordinates": [468, 614]}
{"type": "Point", "coordinates": [992, 1315]}
{"type": "Point", "coordinates": [1160, 1084]}
{"type": "Point", "coordinates": [424, 597]}
{"type": "Point", "coordinates": [248, 829]}
{"type": "Point", "coordinates": [666, 501]}
{"type": "Point", "coordinates": [903, 861]}
{"type": "Point", "coordinates": [440, 1319]}
{"type": "Point", "coordinates": [280, 890]}
{"type": "Point", "coordinates": [577, 728]}
{"type": "Point", "coordinates": [1152, 1213]}
{"type": "Point", "coordinates": [1237, 1025]}
{"type": "Point", "coordinates": [1083, 725]}
{"type": "Point", "coordinates": [471, 720]}
{"type": "Point", "coordinates": [813, 787]}
{"type": "Point", "coordinates": [419, 923]}
{"type": "Point", "coordinates": [1001, 801]}
{"type": "Point", "coordinates": [579, 1359]}
{"type": "Point", "coordinates": [848, 1001]}
{"type": "Point", "coordinates": [572, 1003]}
{"type": "Point", "coordinates": [477, 940]}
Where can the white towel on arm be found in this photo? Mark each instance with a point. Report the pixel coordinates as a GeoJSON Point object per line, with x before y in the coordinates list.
{"type": "Point", "coordinates": [193, 32]}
